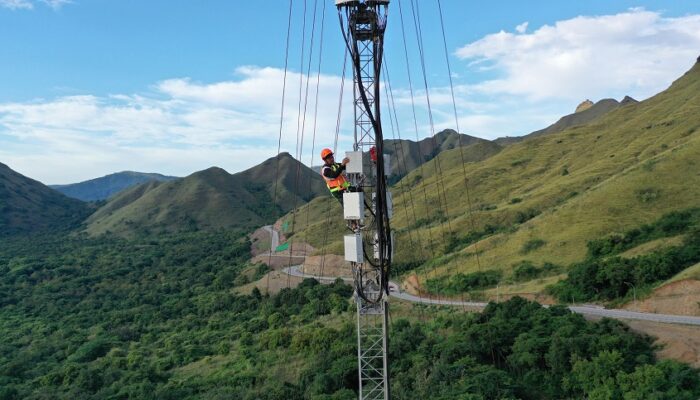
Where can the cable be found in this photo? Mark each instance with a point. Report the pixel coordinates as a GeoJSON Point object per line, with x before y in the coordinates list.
{"type": "Point", "coordinates": [335, 146]}
{"type": "Point", "coordinates": [393, 116]}
{"type": "Point", "coordinates": [438, 168]}
{"type": "Point", "coordinates": [279, 140]}
{"type": "Point", "coordinates": [318, 82]}
{"type": "Point", "coordinates": [459, 136]}
{"type": "Point", "coordinates": [300, 138]}
{"type": "Point", "coordinates": [415, 125]}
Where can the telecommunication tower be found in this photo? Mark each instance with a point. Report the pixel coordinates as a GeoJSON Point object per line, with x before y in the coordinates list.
{"type": "Point", "coordinates": [368, 210]}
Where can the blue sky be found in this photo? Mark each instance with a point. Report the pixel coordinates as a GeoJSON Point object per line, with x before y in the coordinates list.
{"type": "Point", "coordinates": [95, 86]}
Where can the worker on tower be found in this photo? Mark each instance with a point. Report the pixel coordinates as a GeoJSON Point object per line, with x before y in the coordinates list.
{"type": "Point", "coordinates": [333, 173]}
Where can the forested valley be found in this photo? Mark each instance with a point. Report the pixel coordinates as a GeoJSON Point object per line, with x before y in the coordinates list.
{"type": "Point", "coordinates": [158, 318]}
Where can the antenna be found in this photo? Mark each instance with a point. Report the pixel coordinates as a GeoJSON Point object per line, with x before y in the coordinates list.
{"type": "Point", "coordinates": [369, 247]}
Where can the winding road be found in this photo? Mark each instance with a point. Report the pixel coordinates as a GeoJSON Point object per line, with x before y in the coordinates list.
{"type": "Point", "coordinates": [588, 310]}
{"type": "Point", "coordinates": [598, 311]}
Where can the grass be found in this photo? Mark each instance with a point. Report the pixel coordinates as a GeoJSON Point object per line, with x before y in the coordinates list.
{"type": "Point", "coordinates": [689, 273]}
{"type": "Point", "coordinates": [652, 246]}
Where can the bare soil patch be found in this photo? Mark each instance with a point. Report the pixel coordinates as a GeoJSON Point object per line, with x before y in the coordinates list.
{"type": "Point", "coordinates": [331, 265]}
{"type": "Point", "coordinates": [260, 242]}
{"type": "Point", "coordinates": [677, 342]}
{"type": "Point", "coordinates": [679, 298]}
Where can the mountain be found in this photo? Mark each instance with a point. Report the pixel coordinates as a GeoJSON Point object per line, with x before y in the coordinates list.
{"type": "Point", "coordinates": [107, 186]}
{"type": "Point", "coordinates": [210, 199]}
{"type": "Point", "coordinates": [407, 155]}
{"type": "Point", "coordinates": [542, 199]}
{"type": "Point", "coordinates": [586, 112]}
{"type": "Point", "coordinates": [28, 206]}
{"type": "Point", "coordinates": [585, 105]}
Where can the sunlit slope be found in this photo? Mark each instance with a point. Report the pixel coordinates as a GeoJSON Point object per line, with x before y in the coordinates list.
{"type": "Point", "coordinates": [210, 199]}
{"type": "Point", "coordinates": [627, 168]}
{"type": "Point", "coordinates": [630, 167]}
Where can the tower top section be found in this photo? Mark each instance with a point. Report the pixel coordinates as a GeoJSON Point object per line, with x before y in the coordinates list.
{"type": "Point", "coordinates": [351, 3]}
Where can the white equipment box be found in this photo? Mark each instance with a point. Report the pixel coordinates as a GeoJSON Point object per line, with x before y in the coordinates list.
{"type": "Point", "coordinates": [353, 248]}
{"type": "Point", "coordinates": [354, 205]}
{"type": "Point", "coordinates": [387, 164]}
{"type": "Point", "coordinates": [355, 164]}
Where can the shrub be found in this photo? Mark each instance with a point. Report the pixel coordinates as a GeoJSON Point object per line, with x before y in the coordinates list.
{"type": "Point", "coordinates": [526, 271]}
{"type": "Point", "coordinates": [648, 195]}
{"type": "Point", "coordinates": [460, 283]}
{"type": "Point", "coordinates": [523, 216]}
{"type": "Point", "coordinates": [531, 245]}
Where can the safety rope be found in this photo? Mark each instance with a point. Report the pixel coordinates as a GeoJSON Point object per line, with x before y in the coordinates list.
{"type": "Point", "coordinates": [461, 150]}
{"type": "Point", "coordinates": [279, 140]}
{"type": "Point", "coordinates": [415, 126]}
{"type": "Point", "coordinates": [438, 169]}
{"type": "Point", "coordinates": [300, 136]}
{"type": "Point", "coordinates": [335, 148]}
{"type": "Point", "coordinates": [403, 186]}
{"type": "Point", "coordinates": [318, 83]}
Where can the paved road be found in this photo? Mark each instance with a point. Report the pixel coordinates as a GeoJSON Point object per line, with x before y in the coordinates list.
{"type": "Point", "coordinates": [591, 310]}
{"type": "Point", "coordinates": [274, 237]}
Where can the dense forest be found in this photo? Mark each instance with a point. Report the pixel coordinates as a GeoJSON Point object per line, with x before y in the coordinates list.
{"type": "Point", "coordinates": [151, 318]}
{"type": "Point", "coordinates": [606, 275]}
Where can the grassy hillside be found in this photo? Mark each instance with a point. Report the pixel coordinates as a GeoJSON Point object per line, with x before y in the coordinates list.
{"type": "Point", "coordinates": [542, 199]}
{"type": "Point", "coordinates": [29, 206]}
{"type": "Point", "coordinates": [107, 186]}
{"type": "Point", "coordinates": [210, 199]}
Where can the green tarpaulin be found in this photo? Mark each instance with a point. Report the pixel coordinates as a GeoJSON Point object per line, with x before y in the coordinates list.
{"type": "Point", "coordinates": [282, 247]}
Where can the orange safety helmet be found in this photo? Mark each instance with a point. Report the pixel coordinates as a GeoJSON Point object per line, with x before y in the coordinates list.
{"type": "Point", "coordinates": [325, 153]}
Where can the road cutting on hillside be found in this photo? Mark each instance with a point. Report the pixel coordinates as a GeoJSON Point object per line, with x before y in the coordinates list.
{"type": "Point", "coordinates": [295, 268]}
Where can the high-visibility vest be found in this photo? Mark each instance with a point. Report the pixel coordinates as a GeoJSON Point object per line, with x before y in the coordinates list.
{"type": "Point", "coordinates": [335, 184]}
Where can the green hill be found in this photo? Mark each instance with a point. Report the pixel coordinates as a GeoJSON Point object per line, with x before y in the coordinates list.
{"type": "Point", "coordinates": [210, 199]}
{"type": "Point", "coordinates": [107, 186]}
{"type": "Point", "coordinates": [28, 206]}
{"type": "Point", "coordinates": [542, 199]}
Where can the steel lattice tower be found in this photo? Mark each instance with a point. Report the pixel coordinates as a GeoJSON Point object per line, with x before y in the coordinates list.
{"type": "Point", "coordinates": [363, 24]}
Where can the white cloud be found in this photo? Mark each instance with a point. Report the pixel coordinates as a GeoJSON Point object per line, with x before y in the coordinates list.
{"type": "Point", "coordinates": [56, 4]}
{"type": "Point", "coordinates": [636, 52]}
{"type": "Point", "coordinates": [17, 4]}
{"type": "Point", "coordinates": [180, 127]}
{"type": "Point", "coordinates": [29, 4]}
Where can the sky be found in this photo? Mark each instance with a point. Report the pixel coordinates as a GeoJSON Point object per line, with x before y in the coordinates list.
{"type": "Point", "coordinates": [93, 87]}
